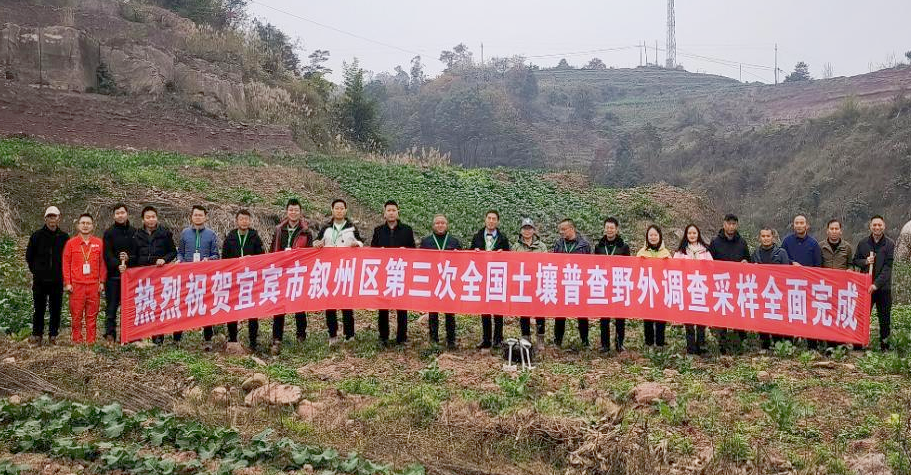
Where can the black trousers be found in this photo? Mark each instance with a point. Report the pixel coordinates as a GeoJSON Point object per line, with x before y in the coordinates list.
{"type": "Point", "coordinates": [654, 332]}
{"type": "Point", "coordinates": [401, 330]}
{"type": "Point", "coordinates": [112, 303]}
{"type": "Point", "coordinates": [44, 295]}
{"type": "Point", "coordinates": [525, 325]}
{"type": "Point", "coordinates": [347, 323]}
{"type": "Point", "coordinates": [252, 330]}
{"type": "Point", "coordinates": [695, 339]}
{"type": "Point", "coordinates": [433, 321]}
{"type": "Point", "coordinates": [492, 324]}
{"type": "Point", "coordinates": [731, 341]}
{"type": "Point", "coordinates": [620, 329]}
{"type": "Point", "coordinates": [560, 330]}
{"type": "Point", "coordinates": [882, 300]}
{"type": "Point", "coordinates": [278, 326]}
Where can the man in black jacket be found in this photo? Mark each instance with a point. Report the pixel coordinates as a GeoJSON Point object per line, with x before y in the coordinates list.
{"type": "Point", "coordinates": [729, 246]}
{"type": "Point", "coordinates": [392, 234]}
{"type": "Point", "coordinates": [118, 247]}
{"type": "Point", "coordinates": [490, 239]}
{"type": "Point", "coordinates": [879, 251]}
{"type": "Point", "coordinates": [441, 240]}
{"type": "Point", "coordinates": [612, 244]}
{"type": "Point", "coordinates": [339, 232]}
{"type": "Point", "coordinates": [44, 256]}
{"type": "Point", "coordinates": [240, 242]}
{"type": "Point", "coordinates": [769, 253]}
{"type": "Point", "coordinates": [153, 245]}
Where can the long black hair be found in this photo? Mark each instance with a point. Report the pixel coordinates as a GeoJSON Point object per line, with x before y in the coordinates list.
{"type": "Point", "coordinates": [684, 242]}
{"type": "Point", "coordinates": [660, 237]}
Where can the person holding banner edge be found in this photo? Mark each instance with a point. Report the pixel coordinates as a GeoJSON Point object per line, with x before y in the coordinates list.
{"type": "Point", "coordinates": [876, 255]}
{"type": "Point", "coordinates": [153, 245]}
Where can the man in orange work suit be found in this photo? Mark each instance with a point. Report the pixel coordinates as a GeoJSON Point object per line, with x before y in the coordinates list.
{"type": "Point", "coordinates": [84, 274]}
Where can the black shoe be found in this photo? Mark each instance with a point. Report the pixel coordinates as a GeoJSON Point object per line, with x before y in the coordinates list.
{"type": "Point", "coordinates": [498, 344]}
{"type": "Point", "coordinates": [604, 350]}
{"type": "Point", "coordinates": [302, 339]}
{"type": "Point", "coordinates": [483, 345]}
{"type": "Point", "coordinates": [558, 343]}
{"type": "Point", "coordinates": [586, 345]}
{"type": "Point", "coordinates": [451, 346]}
{"type": "Point", "coordinates": [619, 349]}
{"type": "Point", "coordinates": [384, 343]}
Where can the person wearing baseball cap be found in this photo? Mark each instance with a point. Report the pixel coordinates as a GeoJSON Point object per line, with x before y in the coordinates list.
{"type": "Point", "coordinates": [530, 242]}
{"type": "Point", "coordinates": [44, 256]}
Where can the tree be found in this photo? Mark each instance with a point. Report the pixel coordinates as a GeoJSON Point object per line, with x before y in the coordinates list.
{"type": "Point", "coordinates": [417, 74]}
{"type": "Point", "coordinates": [456, 59]}
{"type": "Point", "coordinates": [316, 67]}
{"type": "Point", "coordinates": [563, 64]}
{"type": "Point", "coordinates": [595, 63]}
{"type": "Point", "coordinates": [522, 83]}
{"type": "Point", "coordinates": [279, 50]}
{"type": "Point", "coordinates": [801, 73]}
{"type": "Point", "coordinates": [220, 14]}
{"type": "Point", "coordinates": [908, 55]}
{"type": "Point", "coordinates": [357, 113]}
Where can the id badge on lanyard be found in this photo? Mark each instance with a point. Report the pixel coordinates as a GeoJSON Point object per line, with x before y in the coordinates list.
{"type": "Point", "coordinates": [197, 256]}
{"type": "Point", "coordinates": [86, 268]}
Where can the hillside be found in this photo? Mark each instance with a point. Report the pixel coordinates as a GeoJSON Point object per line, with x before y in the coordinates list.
{"type": "Point", "coordinates": [85, 179]}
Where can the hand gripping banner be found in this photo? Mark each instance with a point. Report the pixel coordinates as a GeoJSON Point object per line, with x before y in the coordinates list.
{"type": "Point", "coordinates": [821, 304]}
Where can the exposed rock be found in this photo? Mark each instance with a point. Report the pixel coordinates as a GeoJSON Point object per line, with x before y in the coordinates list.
{"type": "Point", "coordinates": [9, 360]}
{"type": "Point", "coordinates": [58, 57]}
{"type": "Point", "coordinates": [139, 69]}
{"type": "Point", "coordinates": [309, 410]}
{"type": "Point", "coordinates": [255, 381]}
{"type": "Point", "coordinates": [234, 348]}
{"type": "Point", "coordinates": [276, 394]}
{"type": "Point", "coordinates": [763, 376]}
{"type": "Point", "coordinates": [15, 399]}
{"type": "Point", "coordinates": [826, 364]}
{"type": "Point", "coordinates": [209, 92]}
{"type": "Point", "coordinates": [870, 464]}
{"type": "Point", "coordinates": [646, 393]}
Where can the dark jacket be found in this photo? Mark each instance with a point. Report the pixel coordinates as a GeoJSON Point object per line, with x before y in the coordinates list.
{"type": "Point", "coordinates": [882, 266]}
{"type": "Point", "coordinates": [478, 241]}
{"type": "Point", "coordinates": [842, 257]}
{"type": "Point", "coordinates": [400, 236]}
{"type": "Point", "coordinates": [617, 247]}
{"type": "Point", "coordinates": [253, 244]}
{"type": "Point", "coordinates": [118, 238]}
{"type": "Point", "coordinates": [777, 255]}
{"type": "Point", "coordinates": [804, 251]}
{"type": "Point", "coordinates": [431, 242]}
{"type": "Point", "coordinates": [732, 250]}
{"type": "Point", "coordinates": [148, 248]}
{"type": "Point", "coordinates": [300, 237]}
{"type": "Point", "coordinates": [44, 254]}
{"type": "Point", "coordinates": [579, 246]}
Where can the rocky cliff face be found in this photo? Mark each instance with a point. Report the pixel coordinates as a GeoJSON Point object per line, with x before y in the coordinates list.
{"type": "Point", "coordinates": [59, 47]}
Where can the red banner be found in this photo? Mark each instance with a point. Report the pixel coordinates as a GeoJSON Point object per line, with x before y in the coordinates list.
{"type": "Point", "coordinates": [815, 303]}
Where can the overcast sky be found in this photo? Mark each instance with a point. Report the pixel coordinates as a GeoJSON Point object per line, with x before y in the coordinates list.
{"type": "Point", "coordinates": [851, 35]}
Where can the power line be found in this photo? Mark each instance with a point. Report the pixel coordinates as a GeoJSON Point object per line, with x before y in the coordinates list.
{"type": "Point", "coordinates": [338, 30]}
{"type": "Point", "coordinates": [578, 53]}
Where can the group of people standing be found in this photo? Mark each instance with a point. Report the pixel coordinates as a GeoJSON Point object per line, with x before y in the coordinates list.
{"type": "Point", "coordinates": [86, 266]}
